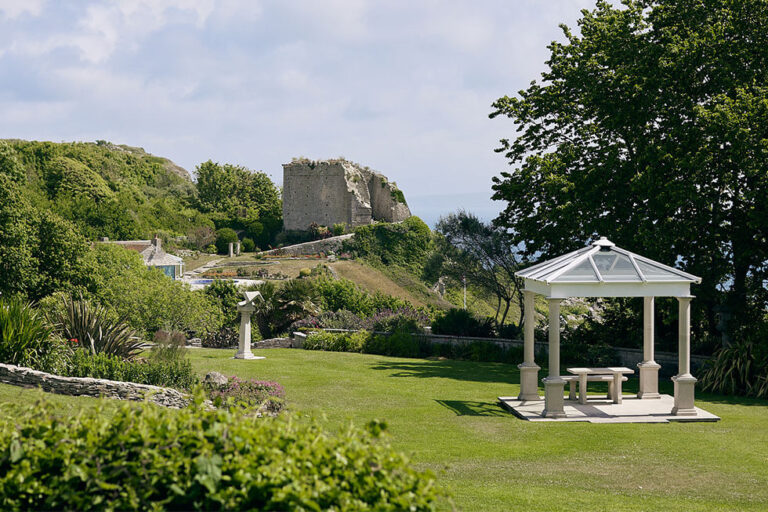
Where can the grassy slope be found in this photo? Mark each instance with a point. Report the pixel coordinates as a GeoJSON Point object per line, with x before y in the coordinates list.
{"type": "Point", "coordinates": [373, 280]}
{"type": "Point", "coordinates": [444, 414]}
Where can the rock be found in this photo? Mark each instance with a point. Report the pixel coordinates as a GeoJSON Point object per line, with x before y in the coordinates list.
{"type": "Point", "coordinates": [215, 379]}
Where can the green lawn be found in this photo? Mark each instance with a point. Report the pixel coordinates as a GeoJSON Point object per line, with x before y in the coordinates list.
{"type": "Point", "coordinates": [444, 415]}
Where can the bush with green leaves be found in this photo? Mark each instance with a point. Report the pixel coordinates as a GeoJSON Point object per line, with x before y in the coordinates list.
{"type": "Point", "coordinates": [248, 245]}
{"type": "Point", "coordinates": [26, 338]}
{"type": "Point", "coordinates": [224, 237]}
{"type": "Point", "coordinates": [343, 294]}
{"type": "Point", "coordinates": [177, 373]}
{"type": "Point", "coordinates": [227, 295]}
{"type": "Point", "coordinates": [406, 244]}
{"type": "Point", "coordinates": [145, 457]}
{"type": "Point", "coordinates": [96, 329]}
{"type": "Point", "coordinates": [146, 297]}
{"type": "Point", "coordinates": [403, 344]}
{"type": "Point", "coordinates": [742, 367]}
{"type": "Point", "coordinates": [283, 305]}
{"type": "Point", "coordinates": [460, 322]}
{"type": "Point", "coordinates": [337, 341]}
{"type": "Point", "coordinates": [226, 337]}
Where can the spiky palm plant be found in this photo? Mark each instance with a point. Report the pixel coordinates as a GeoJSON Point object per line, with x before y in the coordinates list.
{"type": "Point", "coordinates": [95, 330]}
{"type": "Point", "coordinates": [25, 337]}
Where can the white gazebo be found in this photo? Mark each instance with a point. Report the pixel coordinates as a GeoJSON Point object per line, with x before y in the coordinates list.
{"type": "Point", "coordinates": [604, 270]}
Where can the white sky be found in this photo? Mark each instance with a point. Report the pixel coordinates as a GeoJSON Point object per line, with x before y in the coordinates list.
{"type": "Point", "coordinates": [404, 87]}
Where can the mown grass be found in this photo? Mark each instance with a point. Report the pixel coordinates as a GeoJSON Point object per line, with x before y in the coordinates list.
{"type": "Point", "coordinates": [444, 415]}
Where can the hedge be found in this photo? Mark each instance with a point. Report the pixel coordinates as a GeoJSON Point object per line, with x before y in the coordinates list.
{"type": "Point", "coordinates": [145, 457]}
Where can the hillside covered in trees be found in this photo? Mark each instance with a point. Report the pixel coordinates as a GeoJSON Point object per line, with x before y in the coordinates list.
{"type": "Point", "coordinates": [122, 192]}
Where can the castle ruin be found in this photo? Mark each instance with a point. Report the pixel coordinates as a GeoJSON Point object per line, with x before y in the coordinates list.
{"type": "Point", "coordinates": [330, 192]}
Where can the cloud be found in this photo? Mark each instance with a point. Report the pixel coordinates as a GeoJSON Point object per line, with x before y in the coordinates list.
{"type": "Point", "coordinates": [402, 86]}
{"type": "Point", "coordinates": [12, 9]}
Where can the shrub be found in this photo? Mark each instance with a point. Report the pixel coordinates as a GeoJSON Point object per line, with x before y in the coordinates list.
{"type": "Point", "coordinates": [173, 373]}
{"type": "Point", "coordinates": [282, 306]}
{"type": "Point", "coordinates": [146, 297]}
{"type": "Point", "coordinates": [264, 396]}
{"type": "Point", "coordinates": [460, 322]}
{"type": "Point", "coordinates": [227, 295]}
{"type": "Point", "coordinates": [341, 319]}
{"type": "Point", "coordinates": [144, 457]}
{"type": "Point", "coordinates": [405, 319]}
{"type": "Point", "coordinates": [337, 341]}
{"type": "Point", "coordinates": [97, 330]}
{"type": "Point", "coordinates": [742, 367]}
{"type": "Point", "coordinates": [224, 237]}
{"type": "Point", "coordinates": [248, 245]}
{"type": "Point", "coordinates": [169, 346]}
{"type": "Point", "coordinates": [337, 294]}
{"type": "Point", "coordinates": [226, 337]}
{"type": "Point", "coordinates": [305, 272]}
{"type": "Point", "coordinates": [26, 339]}
{"type": "Point", "coordinates": [406, 244]}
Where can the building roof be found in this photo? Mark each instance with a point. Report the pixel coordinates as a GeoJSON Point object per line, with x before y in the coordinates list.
{"type": "Point", "coordinates": [602, 263]}
{"type": "Point", "coordinates": [156, 257]}
{"type": "Point", "coordinates": [151, 251]}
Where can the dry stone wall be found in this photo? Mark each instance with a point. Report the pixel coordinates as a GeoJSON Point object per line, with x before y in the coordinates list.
{"type": "Point", "coordinates": [85, 386]}
{"type": "Point", "coordinates": [334, 191]}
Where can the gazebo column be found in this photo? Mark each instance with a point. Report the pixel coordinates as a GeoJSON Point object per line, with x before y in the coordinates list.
{"type": "Point", "coordinates": [649, 369]}
{"type": "Point", "coordinates": [529, 370]}
{"type": "Point", "coordinates": [554, 384]}
{"type": "Point", "coordinates": [684, 381]}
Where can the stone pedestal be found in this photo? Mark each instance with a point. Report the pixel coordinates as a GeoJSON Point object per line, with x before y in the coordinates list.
{"type": "Point", "coordinates": [231, 250]}
{"type": "Point", "coordinates": [684, 391]}
{"type": "Point", "coordinates": [246, 309]}
{"type": "Point", "coordinates": [649, 380]}
{"type": "Point", "coordinates": [237, 248]}
{"type": "Point", "coordinates": [529, 381]}
{"type": "Point", "coordinates": [554, 402]}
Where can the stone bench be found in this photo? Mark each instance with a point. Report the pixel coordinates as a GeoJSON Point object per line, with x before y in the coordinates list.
{"type": "Point", "coordinates": [572, 380]}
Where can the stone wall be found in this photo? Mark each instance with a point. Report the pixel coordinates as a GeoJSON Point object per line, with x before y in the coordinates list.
{"type": "Point", "coordinates": [274, 343]}
{"type": "Point", "coordinates": [332, 244]}
{"type": "Point", "coordinates": [336, 191]}
{"type": "Point", "coordinates": [77, 386]}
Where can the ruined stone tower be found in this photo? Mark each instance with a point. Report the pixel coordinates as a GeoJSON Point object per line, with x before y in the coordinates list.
{"type": "Point", "coordinates": [329, 192]}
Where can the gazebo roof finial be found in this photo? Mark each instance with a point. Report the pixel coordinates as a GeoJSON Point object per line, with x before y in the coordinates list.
{"type": "Point", "coordinates": [603, 242]}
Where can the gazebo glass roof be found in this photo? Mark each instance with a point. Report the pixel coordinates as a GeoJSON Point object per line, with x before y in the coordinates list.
{"type": "Point", "coordinates": [603, 262]}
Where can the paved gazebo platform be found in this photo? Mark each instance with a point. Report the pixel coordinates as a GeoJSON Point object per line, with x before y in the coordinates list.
{"type": "Point", "coordinates": [596, 410]}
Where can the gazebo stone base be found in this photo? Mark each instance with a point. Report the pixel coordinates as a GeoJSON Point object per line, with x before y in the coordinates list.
{"type": "Point", "coordinates": [684, 391]}
{"type": "Point", "coordinates": [554, 402]}
{"type": "Point", "coordinates": [529, 381]}
{"type": "Point", "coordinates": [649, 380]}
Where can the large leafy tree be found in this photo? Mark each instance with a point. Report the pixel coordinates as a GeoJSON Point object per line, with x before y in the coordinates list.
{"type": "Point", "coordinates": [650, 126]}
{"type": "Point", "coordinates": [240, 198]}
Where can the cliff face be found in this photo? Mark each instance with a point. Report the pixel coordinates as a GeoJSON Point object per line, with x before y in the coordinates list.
{"type": "Point", "coordinates": [334, 191]}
